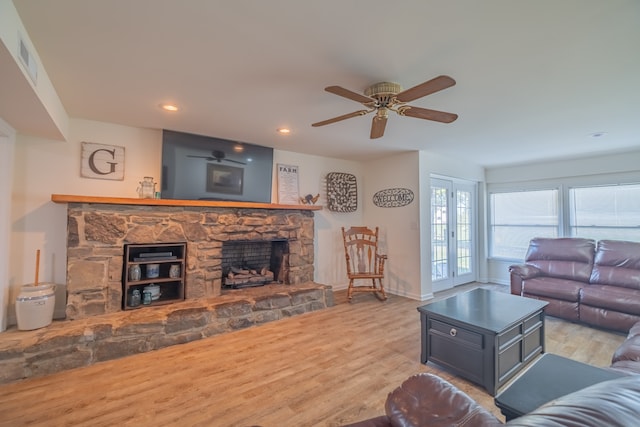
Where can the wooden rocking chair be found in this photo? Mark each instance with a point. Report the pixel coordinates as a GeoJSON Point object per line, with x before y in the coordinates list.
{"type": "Point", "coordinates": [363, 260]}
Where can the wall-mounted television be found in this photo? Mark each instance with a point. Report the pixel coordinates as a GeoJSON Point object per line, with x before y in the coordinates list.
{"type": "Point", "coordinates": [196, 167]}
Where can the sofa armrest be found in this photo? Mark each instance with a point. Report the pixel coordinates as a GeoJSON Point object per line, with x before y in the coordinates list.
{"type": "Point", "coordinates": [426, 399]}
{"type": "Point", "coordinates": [628, 350]}
{"type": "Point", "coordinates": [525, 271]}
{"type": "Point", "coordinates": [519, 273]}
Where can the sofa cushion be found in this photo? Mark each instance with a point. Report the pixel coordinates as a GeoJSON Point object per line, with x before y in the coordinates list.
{"type": "Point", "coordinates": [551, 287]}
{"type": "Point", "coordinates": [567, 258]}
{"type": "Point", "coordinates": [624, 300]}
{"type": "Point", "coordinates": [428, 400]}
{"type": "Point", "coordinates": [610, 403]}
{"type": "Point", "coordinates": [607, 318]}
{"type": "Point", "coordinates": [617, 263]}
{"type": "Point", "coordinates": [559, 308]}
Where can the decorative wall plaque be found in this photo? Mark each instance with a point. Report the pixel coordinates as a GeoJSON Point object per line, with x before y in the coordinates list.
{"type": "Point", "coordinates": [342, 192]}
{"type": "Point", "coordinates": [393, 197]}
{"type": "Point", "coordinates": [102, 161]}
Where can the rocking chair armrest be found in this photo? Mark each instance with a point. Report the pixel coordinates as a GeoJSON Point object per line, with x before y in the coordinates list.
{"type": "Point", "coordinates": [380, 263]}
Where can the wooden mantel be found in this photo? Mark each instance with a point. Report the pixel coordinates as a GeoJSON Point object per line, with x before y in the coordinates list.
{"type": "Point", "coordinates": [66, 198]}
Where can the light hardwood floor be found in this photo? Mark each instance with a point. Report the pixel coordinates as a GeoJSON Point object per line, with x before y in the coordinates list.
{"type": "Point", "coordinates": [324, 368]}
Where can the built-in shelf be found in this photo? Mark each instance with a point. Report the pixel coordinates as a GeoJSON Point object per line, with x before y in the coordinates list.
{"type": "Point", "coordinates": [66, 198]}
{"type": "Point", "coordinates": [159, 266]}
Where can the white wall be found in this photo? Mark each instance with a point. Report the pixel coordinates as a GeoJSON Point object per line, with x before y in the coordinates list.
{"type": "Point", "coordinates": [399, 237]}
{"type": "Point", "coordinates": [330, 266]}
{"type": "Point", "coordinates": [45, 167]}
{"type": "Point", "coordinates": [7, 144]}
{"type": "Point", "coordinates": [406, 231]}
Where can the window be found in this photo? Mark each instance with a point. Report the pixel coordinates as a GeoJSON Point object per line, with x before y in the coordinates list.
{"type": "Point", "coordinates": [517, 217]}
{"type": "Point", "coordinates": [607, 212]}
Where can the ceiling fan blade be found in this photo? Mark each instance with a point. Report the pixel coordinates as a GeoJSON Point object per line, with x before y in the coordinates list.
{"type": "Point", "coordinates": [434, 85]}
{"type": "Point", "coordinates": [377, 126]}
{"type": "Point", "coordinates": [423, 113]}
{"type": "Point", "coordinates": [346, 93]}
{"type": "Point", "coordinates": [201, 157]}
{"type": "Point", "coordinates": [343, 117]}
{"type": "Point", "coordinates": [234, 161]}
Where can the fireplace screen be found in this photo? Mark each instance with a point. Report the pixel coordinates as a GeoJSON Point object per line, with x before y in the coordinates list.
{"type": "Point", "coordinates": [254, 263]}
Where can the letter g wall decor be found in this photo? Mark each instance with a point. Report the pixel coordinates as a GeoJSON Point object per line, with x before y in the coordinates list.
{"type": "Point", "coordinates": [102, 161]}
{"type": "Point", "coordinates": [393, 197]}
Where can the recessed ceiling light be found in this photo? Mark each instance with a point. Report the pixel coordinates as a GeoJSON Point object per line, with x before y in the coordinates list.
{"type": "Point", "coordinates": [169, 107]}
{"type": "Point", "coordinates": [597, 134]}
{"type": "Point", "coordinates": [284, 131]}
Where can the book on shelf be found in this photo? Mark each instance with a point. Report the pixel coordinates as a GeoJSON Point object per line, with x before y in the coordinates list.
{"type": "Point", "coordinates": [156, 258]}
{"type": "Point", "coordinates": [155, 254]}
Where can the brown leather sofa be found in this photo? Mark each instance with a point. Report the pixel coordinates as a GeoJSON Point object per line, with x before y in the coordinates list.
{"type": "Point", "coordinates": [428, 400]}
{"type": "Point", "coordinates": [597, 284]}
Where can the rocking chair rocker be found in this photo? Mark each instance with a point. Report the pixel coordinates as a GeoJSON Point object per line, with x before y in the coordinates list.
{"type": "Point", "coordinates": [364, 261]}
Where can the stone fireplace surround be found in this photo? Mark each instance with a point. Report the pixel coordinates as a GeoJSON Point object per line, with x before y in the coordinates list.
{"type": "Point", "coordinates": [96, 234]}
{"type": "Point", "coordinates": [100, 330]}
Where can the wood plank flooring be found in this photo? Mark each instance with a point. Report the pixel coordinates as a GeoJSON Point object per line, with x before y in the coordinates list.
{"type": "Point", "coordinates": [324, 368]}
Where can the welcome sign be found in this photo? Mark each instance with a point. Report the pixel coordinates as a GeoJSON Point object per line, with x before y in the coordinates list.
{"type": "Point", "coordinates": [393, 198]}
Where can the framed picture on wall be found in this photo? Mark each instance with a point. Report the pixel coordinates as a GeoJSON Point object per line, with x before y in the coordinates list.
{"type": "Point", "coordinates": [288, 185]}
{"type": "Point", "coordinates": [224, 179]}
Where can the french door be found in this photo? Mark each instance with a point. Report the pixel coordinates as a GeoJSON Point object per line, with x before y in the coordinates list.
{"type": "Point", "coordinates": [453, 241]}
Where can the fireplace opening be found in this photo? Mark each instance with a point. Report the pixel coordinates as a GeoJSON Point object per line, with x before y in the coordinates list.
{"type": "Point", "coordinates": [249, 263]}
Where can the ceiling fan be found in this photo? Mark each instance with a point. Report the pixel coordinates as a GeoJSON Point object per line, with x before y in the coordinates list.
{"type": "Point", "coordinates": [385, 96]}
{"type": "Point", "coordinates": [218, 156]}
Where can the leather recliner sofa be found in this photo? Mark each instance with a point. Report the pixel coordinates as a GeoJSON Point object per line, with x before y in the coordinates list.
{"type": "Point", "coordinates": [597, 284]}
{"type": "Point", "coordinates": [428, 400]}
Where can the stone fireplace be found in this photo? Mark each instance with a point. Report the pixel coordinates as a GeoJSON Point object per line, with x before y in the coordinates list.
{"type": "Point", "coordinates": [97, 233]}
{"type": "Point", "coordinates": [98, 229]}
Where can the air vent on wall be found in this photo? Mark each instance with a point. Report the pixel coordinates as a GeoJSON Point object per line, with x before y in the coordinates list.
{"type": "Point", "coordinates": [27, 60]}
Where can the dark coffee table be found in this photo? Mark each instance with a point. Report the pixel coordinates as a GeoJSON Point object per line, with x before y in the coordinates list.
{"type": "Point", "coordinates": [484, 336]}
{"type": "Point", "coordinates": [550, 377]}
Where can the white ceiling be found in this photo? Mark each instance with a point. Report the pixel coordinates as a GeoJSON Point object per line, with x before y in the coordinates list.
{"type": "Point", "coordinates": [534, 78]}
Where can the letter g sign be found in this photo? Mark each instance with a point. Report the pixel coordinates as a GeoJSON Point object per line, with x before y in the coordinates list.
{"type": "Point", "coordinates": [102, 161]}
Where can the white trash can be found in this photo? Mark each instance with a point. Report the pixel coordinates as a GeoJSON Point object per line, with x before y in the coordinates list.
{"type": "Point", "coordinates": [34, 306]}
